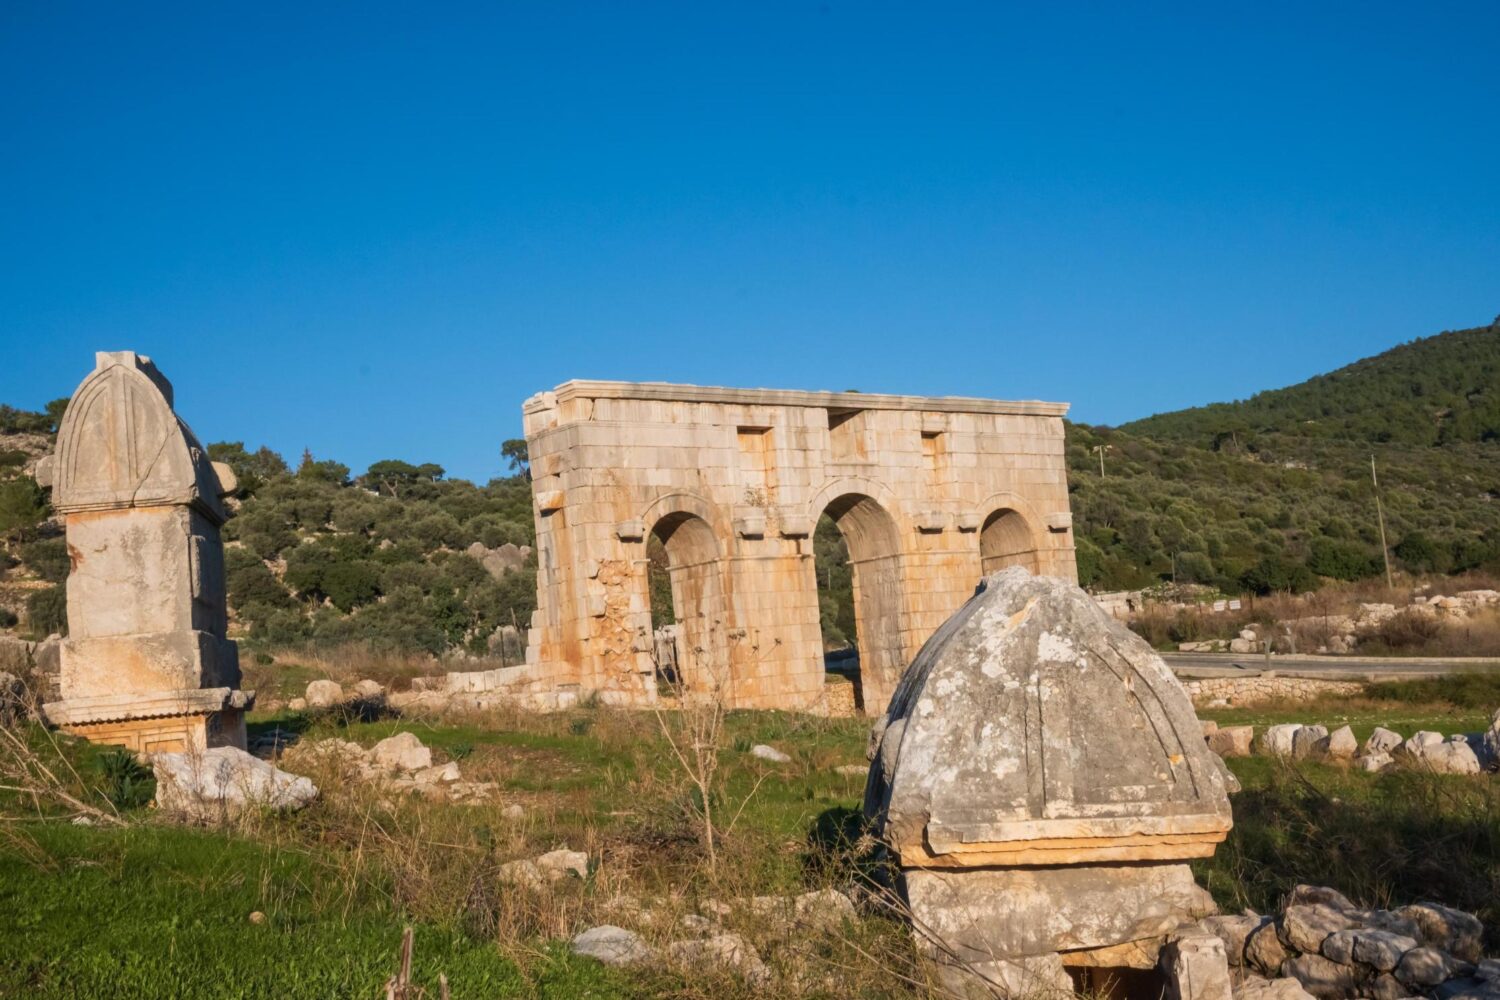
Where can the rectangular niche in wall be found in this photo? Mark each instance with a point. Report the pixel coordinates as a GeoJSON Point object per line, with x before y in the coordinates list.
{"type": "Point", "coordinates": [933, 456]}
{"type": "Point", "coordinates": [757, 460]}
{"type": "Point", "coordinates": [847, 436]}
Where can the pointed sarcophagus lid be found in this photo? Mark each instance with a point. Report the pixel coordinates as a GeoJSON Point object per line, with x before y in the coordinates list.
{"type": "Point", "coordinates": [121, 445]}
{"type": "Point", "coordinates": [1034, 729]}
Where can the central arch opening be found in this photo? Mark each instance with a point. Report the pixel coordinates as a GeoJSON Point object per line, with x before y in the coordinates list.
{"type": "Point", "coordinates": [686, 590]}
{"type": "Point", "coordinates": [861, 597]}
{"type": "Point", "coordinates": [1007, 540]}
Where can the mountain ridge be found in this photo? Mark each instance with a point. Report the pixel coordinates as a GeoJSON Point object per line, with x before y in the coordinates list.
{"type": "Point", "coordinates": [1434, 390]}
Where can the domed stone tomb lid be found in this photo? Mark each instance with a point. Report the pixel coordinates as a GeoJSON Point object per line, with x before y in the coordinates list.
{"type": "Point", "coordinates": [121, 445]}
{"type": "Point", "coordinates": [1034, 729]}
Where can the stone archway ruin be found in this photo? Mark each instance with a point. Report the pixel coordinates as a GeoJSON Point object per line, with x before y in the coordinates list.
{"type": "Point", "coordinates": [735, 480]}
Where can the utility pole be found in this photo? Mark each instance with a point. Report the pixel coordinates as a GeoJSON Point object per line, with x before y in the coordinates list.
{"type": "Point", "coordinates": [1100, 449]}
{"type": "Point", "coordinates": [1385, 553]}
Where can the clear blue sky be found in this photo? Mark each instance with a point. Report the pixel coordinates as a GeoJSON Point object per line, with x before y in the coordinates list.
{"type": "Point", "coordinates": [373, 230]}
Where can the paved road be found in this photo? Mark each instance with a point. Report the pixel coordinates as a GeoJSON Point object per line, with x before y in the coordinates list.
{"type": "Point", "coordinates": [1327, 667]}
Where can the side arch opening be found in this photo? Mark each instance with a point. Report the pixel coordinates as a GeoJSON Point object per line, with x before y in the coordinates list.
{"type": "Point", "coordinates": [876, 593]}
{"type": "Point", "coordinates": [688, 609]}
{"type": "Point", "coordinates": [1006, 540]}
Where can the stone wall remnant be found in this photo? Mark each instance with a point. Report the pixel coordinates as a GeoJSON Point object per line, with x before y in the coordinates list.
{"type": "Point", "coordinates": [1042, 782]}
{"type": "Point", "coordinates": [146, 664]}
{"type": "Point", "coordinates": [930, 494]}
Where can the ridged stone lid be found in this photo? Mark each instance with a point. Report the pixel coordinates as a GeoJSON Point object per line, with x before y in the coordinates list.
{"type": "Point", "coordinates": [1034, 729]}
{"type": "Point", "coordinates": [121, 445]}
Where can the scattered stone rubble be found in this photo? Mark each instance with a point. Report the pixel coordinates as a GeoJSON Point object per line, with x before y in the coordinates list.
{"type": "Point", "coordinates": [533, 873]}
{"type": "Point", "coordinates": [400, 763]}
{"type": "Point", "coordinates": [1323, 945]}
{"type": "Point", "coordinates": [1460, 753]}
{"type": "Point", "coordinates": [1337, 634]}
{"type": "Point", "coordinates": [701, 941]}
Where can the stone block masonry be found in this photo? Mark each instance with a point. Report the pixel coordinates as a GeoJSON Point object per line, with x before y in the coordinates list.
{"type": "Point", "coordinates": [930, 494]}
{"type": "Point", "coordinates": [1260, 688]}
{"type": "Point", "coordinates": [147, 663]}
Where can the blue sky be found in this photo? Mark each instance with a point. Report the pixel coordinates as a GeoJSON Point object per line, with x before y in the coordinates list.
{"type": "Point", "coordinates": [373, 230]}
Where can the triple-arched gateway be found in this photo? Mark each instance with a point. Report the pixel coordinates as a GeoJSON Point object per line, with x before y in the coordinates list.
{"type": "Point", "coordinates": [929, 494]}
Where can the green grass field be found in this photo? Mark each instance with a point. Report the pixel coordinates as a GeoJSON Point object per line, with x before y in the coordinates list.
{"type": "Point", "coordinates": [152, 909]}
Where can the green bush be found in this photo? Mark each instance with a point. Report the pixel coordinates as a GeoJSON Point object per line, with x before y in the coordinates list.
{"type": "Point", "coordinates": [252, 583]}
{"type": "Point", "coordinates": [124, 780]}
{"type": "Point", "coordinates": [14, 421]}
{"type": "Point", "coordinates": [1341, 560]}
{"type": "Point", "coordinates": [1274, 574]}
{"type": "Point", "coordinates": [22, 504]}
{"type": "Point", "coordinates": [47, 558]}
{"type": "Point", "coordinates": [350, 584]}
{"type": "Point", "coordinates": [47, 612]}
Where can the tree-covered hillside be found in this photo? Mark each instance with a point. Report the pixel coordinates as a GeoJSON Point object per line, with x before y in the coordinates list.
{"type": "Point", "coordinates": [1438, 390]}
{"type": "Point", "coordinates": [1276, 516]}
{"type": "Point", "coordinates": [1275, 491]}
{"type": "Point", "coordinates": [313, 556]}
{"type": "Point", "coordinates": [1270, 494]}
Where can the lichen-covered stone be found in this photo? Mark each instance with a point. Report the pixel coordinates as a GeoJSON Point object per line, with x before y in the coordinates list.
{"type": "Point", "coordinates": [611, 945]}
{"type": "Point", "coordinates": [1454, 931]}
{"type": "Point", "coordinates": [1304, 895]}
{"type": "Point", "coordinates": [1031, 717]}
{"type": "Point", "coordinates": [1382, 740]}
{"type": "Point", "coordinates": [1231, 741]}
{"type": "Point", "coordinates": [1233, 929]}
{"type": "Point", "coordinates": [996, 913]}
{"type": "Point", "coordinates": [1337, 745]}
{"type": "Point", "coordinates": [1195, 968]}
{"type": "Point", "coordinates": [1305, 926]}
{"type": "Point", "coordinates": [1427, 966]}
{"type": "Point", "coordinates": [1264, 950]}
{"type": "Point", "coordinates": [722, 951]}
{"type": "Point", "coordinates": [401, 752]}
{"type": "Point", "coordinates": [1322, 978]}
{"type": "Point", "coordinates": [1276, 741]}
{"type": "Point", "coordinates": [1281, 988]}
{"type": "Point", "coordinates": [1035, 977]}
{"type": "Point", "coordinates": [324, 694]}
{"type": "Point", "coordinates": [1381, 949]}
{"type": "Point", "coordinates": [1305, 740]}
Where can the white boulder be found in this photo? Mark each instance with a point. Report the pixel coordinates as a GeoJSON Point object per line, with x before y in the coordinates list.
{"type": "Point", "coordinates": [611, 945]}
{"type": "Point", "coordinates": [769, 753]}
{"type": "Point", "coordinates": [324, 694]}
{"type": "Point", "coordinates": [401, 752]}
{"type": "Point", "coordinates": [223, 782]}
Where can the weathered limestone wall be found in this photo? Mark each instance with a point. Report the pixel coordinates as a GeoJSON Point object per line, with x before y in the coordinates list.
{"type": "Point", "coordinates": [929, 492]}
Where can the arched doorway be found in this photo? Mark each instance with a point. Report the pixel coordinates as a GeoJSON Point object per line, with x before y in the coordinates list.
{"type": "Point", "coordinates": [699, 658]}
{"type": "Point", "coordinates": [874, 553]}
{"type": "Point", "coordinates": [1007, 540]}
